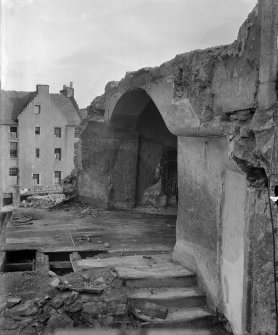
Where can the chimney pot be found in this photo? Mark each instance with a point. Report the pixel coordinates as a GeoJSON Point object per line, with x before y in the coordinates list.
{"type": "Point", "coordinates": [71, 84]}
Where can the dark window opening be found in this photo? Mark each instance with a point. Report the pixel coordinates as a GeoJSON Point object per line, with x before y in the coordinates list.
{"type": "Point", "coordinates": [58, 153]}
{"type": "Point", "coordinates": [37, 152]}
{"type": "Point", "coordinates": [37, 130]}
{"type": "Point", "coordinates": [36, 178]}
{"type": "Point", "coordinates": [76, 132]}
{"type": "Point", "coordinates": [57, 177]}
{"type": "Point", "coordinates": [58, 132]}
{"type": "Point", "coordinates": [13, 150]}
{"type": "Point", "coordinates": [13, 171]}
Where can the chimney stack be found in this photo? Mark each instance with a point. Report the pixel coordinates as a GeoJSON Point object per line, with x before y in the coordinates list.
{"type": "Point", "coordinates": [68, 91]}
{"type": "Point", "coordinates": [42, 89]}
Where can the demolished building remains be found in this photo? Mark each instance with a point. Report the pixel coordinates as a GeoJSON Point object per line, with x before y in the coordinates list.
{"type": "Point", "coordinates": [199, 132]}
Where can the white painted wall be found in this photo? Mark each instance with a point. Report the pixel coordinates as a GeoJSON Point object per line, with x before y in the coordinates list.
{"type": "Point", "coordinates": [49, 117]}
{"type": "Point", "coordinates": [233, 248]}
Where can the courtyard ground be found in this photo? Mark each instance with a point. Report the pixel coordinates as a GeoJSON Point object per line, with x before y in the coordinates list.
{"type": "Point", "coordinates": [77, 266]}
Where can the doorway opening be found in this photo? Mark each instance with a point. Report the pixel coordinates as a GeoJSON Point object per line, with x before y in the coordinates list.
{"type": "Point", "coordinates": [137, 116]}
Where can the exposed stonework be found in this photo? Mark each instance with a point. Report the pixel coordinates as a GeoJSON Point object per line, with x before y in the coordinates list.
{"type": "Point", "coordinates": [221, 104]}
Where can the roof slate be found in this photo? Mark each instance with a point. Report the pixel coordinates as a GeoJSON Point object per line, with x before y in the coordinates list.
{"type": "Point", "coordinates": [67, 107]}
{"type": "Point", "coordinates": [12, 103]}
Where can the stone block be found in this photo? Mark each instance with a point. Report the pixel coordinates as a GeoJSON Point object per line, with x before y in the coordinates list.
{"type": "Point", "coordinates": [155, 310]}
{"type": "Point", "coordinates": [56, 302]}
{"type": "Point", "coordinates": [27, 309]}
{"type": "Point", "coordinates": [59, 321]}
{"type": "Point", "coordinates": [13, 301]}
{"type": "Point", "coordinates": [69, 297]}
{"type": "Point", "coordinates": [74, 307]}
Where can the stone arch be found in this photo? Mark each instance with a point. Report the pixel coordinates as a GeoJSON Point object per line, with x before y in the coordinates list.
{"type": "Point", "coordinates": [156, 178]}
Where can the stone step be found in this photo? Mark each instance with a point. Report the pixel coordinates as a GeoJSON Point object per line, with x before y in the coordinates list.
{"type": "Point", "coordinates": [169, 297]}
{"type": "Point", "coordinates": [196, 318]}
{"type": "Point", "coordinates": [136, 271]}
{"type": "Point", "coordinates": [160, 281]}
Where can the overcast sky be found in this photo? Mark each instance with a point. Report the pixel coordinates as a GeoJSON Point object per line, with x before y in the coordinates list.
{"type": "Point", "coordinates": [91, 42]}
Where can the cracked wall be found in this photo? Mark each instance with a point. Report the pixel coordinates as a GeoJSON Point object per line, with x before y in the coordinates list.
{"type": "Point", "coordinates": [221, 104]}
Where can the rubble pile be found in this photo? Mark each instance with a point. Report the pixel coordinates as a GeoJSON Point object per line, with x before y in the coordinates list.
{"type": "Point", "coordinates": [70, 184]}
{"type": "Point", "coordinates": [86, 299]}
{"type": "Point", "coordinates": [45, 201]}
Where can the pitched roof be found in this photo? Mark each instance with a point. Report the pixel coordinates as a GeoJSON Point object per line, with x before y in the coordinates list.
{"type": "Point", "coordinates": [12, 104]}
{"type": "Point", "coordinates": [67, 107]}
{"type": "Point", "coordinates": [83, 113]}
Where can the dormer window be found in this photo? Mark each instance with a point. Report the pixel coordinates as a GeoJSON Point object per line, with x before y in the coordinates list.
{"type": "Point", "coordinates": [37, 130]}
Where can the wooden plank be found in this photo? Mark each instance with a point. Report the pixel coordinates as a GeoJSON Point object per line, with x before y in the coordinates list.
{"type": "Point", "coordinates": [73, 260]}
{"type": "Point", "coordinates": [18, 267]}
{"type": "Point", "coordinates": [25, 240]}
{"type": "Point", "coordinates": [2, 260]}
{"type": "Point", "coordinates": [42, 261]}
{"type": "Point", "coordinates": [60, 264]}
{"type": "Point", "coordinates": [94, 290]}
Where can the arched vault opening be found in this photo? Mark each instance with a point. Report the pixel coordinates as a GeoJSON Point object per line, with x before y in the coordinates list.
{"type": "Point", "coordinates": [137, 116]}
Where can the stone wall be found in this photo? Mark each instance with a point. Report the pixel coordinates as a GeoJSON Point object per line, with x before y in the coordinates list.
{"type": "Point", "coordinates": [221, 104]}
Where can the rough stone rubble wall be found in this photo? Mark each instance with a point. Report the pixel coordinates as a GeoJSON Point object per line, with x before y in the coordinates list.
{"type": "Point", "coordinates": [231, 91]}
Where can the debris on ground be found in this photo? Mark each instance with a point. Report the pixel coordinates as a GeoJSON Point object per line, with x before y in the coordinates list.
{"type": "Point", "coordinates": [88, 299]}
{"type": "Point", "coordinates": [147, 257]}
{"type": "Point", "coordinates": [154, 310]}
{"type": "Point", "coordinates": [89, 211]}
{"type": "Point", "coordinates": [23, 219]}
{"type": "Point", "coordinates": [45, 201]}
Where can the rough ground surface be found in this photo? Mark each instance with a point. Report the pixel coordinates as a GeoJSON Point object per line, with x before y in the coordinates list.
{"type": "Point", "coordinates": [30, 305]}
{"type": "Point", "coordinates": [90, 229]}
{"type": "Point", "coordinates": [42, 308]}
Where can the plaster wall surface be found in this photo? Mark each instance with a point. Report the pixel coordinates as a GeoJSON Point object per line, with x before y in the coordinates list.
{"type": "Point", "coordinates": [48, 118]}
{"type": "Point", "coordinates": [234, 249]}
{"type": "Point", "coordinates": [211, 223]}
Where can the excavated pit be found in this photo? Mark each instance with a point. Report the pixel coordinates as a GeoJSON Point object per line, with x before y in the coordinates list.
{"type": "Point", "coordinates": [20, 260]}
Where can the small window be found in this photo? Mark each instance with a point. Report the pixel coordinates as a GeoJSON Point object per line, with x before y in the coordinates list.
{"type": "Point", "coordinates": [37, 130]}
{"type": "Point", "coordinates": [37, 152]}
{"type": "Point", "coordinates": [13, 150]}
{"type": "Point", "coordinates": [13, 171]}
{"type": "Point", "coordinates": [76, 132]}
{"type": "Point", "coordinates": [58, 132]}
{"type": "Point", "coordinates": [37, 109]}
{"type": "Point", "coordinates": [57, 177]}
{"type": "Point", "coordinates": [58, 154]}
{"type": "Point", "coordinates": [36, 178]}
{"type": "Point", "coordinates": [13, 132]}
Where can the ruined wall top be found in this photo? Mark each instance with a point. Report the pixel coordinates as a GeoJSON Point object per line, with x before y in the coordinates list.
{"type": "Point", "coordinates": [224, 90]}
